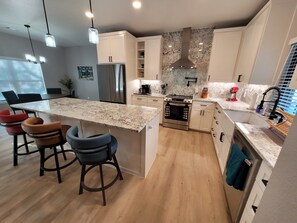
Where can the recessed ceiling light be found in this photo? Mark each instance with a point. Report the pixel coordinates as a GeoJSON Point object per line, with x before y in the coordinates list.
{"type": "Point", "coordinates": [169, 46]}
{"type": "Point", "coordinates": [89, 14]}
{"type": "Point", "coordinates": [136, 4]}
{"type": "Point", "coordinates": [200, 43]}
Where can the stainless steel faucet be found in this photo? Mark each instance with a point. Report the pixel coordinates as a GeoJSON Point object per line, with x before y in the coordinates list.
{"type": "Point", "coordinates": [273, 113]}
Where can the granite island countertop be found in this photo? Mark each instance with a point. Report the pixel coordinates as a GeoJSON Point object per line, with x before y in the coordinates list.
{"type": "Point", "coordinates": [130, 117]}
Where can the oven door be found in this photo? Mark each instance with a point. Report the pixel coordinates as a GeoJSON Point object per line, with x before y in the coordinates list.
{"type": "Point", "coordinates": [176, 113]}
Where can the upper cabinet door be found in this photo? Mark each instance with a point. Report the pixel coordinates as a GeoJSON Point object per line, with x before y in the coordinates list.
{"type": "Point", "coordinates": [224, 52]}
{"type": "Point", "coordinates": [103, 50]}
{"type": "Point", "coordinates": [117, 49]}
{"type": "Point", "coordinates": [250, 46]}
{"type": "Point", "coordinates": [152, 67]}
{"type": "Point", "coordinates": [149, 57]}
{"type": "Point", "coordinates": [111, 49]}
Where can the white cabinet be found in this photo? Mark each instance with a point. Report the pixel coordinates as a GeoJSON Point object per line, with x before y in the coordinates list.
{"type": "Point", "coordinates": [263, 42]}
{"type": "Point", "coordinates": [224, 52]}
{"type": "Point", "coordinates": [149, 57]}
{"type": "Point", "coordinates": [201, 116]}
{"type": "Point", "coordinates": [111, 49]}
{"type": "Point", "coordinates": [222, 130]}
{"type": "Point", "coordinates": [149, 101]}
{"type": "Point", "coordinates": [256, 193]}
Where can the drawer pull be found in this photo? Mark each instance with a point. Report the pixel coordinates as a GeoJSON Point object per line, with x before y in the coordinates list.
{"type": "Point", "coordinates": [203, 105]}
{"type": "Point", "coordinates": [212, 129]}
{"type": "Point", "coordinates": [217, 122]}
{"type": "Point", "coordinates": [139, 98]}
{"type": "Point", "coordinates": [155, 100]}
{"type": "Point", "coordinates": [254, 208]}
{"type": "Point", "coordinates": [214, 135]}
{"type": "Point", "coordinates": [217, 108]}
{"type": "Point", "coordinates": [214, 117]}
{"type": "Point", "coordinates": [219, 112]}
{"type": "Point", "coordinates": [265, 182]}
{"type": "Point", "coordinates": [221, 136]}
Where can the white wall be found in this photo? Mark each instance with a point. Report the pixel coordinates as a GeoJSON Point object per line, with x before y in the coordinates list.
{"type": "Point", "coordinates": [83, 56]}
{"type": "Point", "coordinates": [16, 47]}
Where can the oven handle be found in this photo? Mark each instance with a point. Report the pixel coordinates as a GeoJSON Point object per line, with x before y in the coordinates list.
{"type": "Point", "coordinates": [180, 105]}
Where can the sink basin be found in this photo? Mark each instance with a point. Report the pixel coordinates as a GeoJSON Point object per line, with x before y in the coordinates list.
{"type": "Point", "coordinates": [246, 117]}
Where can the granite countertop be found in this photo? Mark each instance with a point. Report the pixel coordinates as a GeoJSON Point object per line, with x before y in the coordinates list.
{"type": "Point", "coordinates": [226, 105]}
{"type": "Point", "coordinates": [263, 140]}
{"type": "Point", "coordinates": [129, 117]}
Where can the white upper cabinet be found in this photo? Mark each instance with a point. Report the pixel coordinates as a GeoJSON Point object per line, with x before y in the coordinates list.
{"type": "Point", "coordinates": [263, 42]}
{"type": "Point", "coordinates": [149, 57]}
{"type": "Point", "coordinates": [224, 52]}
{"type": "Point", "coordinates": [111, 48]}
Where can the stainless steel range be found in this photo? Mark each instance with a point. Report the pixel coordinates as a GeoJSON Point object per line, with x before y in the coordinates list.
{"type": "Point", "coordinates": [177, 111]}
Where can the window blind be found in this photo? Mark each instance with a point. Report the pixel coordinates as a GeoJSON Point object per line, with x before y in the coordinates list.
{"type": "Point", "coordinates": [288, 100]}
{"type": "Point", "coordinates": [21, 76]}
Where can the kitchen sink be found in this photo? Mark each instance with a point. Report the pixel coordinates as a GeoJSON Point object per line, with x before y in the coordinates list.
{"type": "Point", "coordinates": [247, 117]}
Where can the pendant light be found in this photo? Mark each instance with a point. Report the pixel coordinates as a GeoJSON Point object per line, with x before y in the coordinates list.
{"type": "Point", "coordinates": [29, 57]}
{"type": "Point", "coordinates": [49, 39]}
{"type": "Point", "coordinates": [93, 32]}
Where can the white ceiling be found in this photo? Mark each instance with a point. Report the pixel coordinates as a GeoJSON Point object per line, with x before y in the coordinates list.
{"type": "Point", "coordinates": [69, 24]}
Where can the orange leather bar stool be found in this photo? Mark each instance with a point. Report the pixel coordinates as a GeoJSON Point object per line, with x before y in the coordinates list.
{"type": "Point", "coordinates": [48, 135]}
{"type": "Point", "coordinates": [12, 123]}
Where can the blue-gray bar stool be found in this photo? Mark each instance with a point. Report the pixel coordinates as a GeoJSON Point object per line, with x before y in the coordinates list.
{"type": "Point", "coordinates": [94, 151]}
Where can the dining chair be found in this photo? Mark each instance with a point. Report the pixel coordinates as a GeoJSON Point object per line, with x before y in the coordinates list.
{"type": "Point", "coordinates": [24, 98]}
{"type": "Point", "coordinates": [54, 90]}
{"type": "Point", "coordinates": [49, 135]}
{"type": "Point", "coordinates": [12, 124]}
{"type": "Point", "coordinates": [94, 151]}
{"type": "Point", "coordinates": [11, 98]}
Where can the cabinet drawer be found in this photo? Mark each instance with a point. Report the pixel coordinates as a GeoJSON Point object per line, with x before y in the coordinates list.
{"type": "Point", "coordinates": [203, 105]}
{"type": "Point", "coordinates": [155, 102]}
{"type": "Point", "coordinates": [254, 200]}
{"type": "Point", "coordinates": [137, 100]}
{"type": "Point", "coordinates": [263, 176]}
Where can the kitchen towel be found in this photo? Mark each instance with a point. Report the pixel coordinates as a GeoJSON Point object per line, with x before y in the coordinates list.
{"type": "Point", "coordinates": [235, 165]}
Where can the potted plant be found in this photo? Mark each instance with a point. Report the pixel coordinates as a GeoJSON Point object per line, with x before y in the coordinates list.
{"type": "Point", "coordinates": [68, 83]}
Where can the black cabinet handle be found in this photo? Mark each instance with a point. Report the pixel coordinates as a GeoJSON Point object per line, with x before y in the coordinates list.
{"type": "Point", "coordinates": [212, 129]}
{"type": "Point", "coordinates": [208, 78]}
{"type": "Point", "coordinates": [221, 136]}
{"type": "Point", "coordinates": [254, 208]}
{"type": "Point", "coordinates": [265, 182]}
{"type": "Point", "coordinates": [239, 78]}
{"type": "Point", "coordinates": [214, 117]}
{"type": "Point", "coordinates": [214, 135]}
{"type": "Point", "coordinates": [217, 122]}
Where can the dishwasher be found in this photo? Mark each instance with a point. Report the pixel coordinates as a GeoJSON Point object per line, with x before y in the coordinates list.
{"type": "Point", "coordinates": [237, 198]}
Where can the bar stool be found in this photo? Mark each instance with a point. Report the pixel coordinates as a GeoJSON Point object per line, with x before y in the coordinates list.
{"type": "Point", "coordinates": [12, 124]}
{"type": "Point", "coordinates": [94, 151]}
{"type": "Point", "coordinates": [48, 135]}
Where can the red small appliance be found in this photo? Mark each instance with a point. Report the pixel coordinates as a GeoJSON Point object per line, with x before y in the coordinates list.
{"type": "Point", "coordinates": [233, 91]}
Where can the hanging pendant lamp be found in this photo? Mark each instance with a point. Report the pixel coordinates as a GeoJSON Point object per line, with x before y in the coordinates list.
{"type": "Point", "coordinates": [93, 32]}
{"type": "Point", "coordinates": [49, 39]}
{"type": "Point", "coordinates": [29, 57]}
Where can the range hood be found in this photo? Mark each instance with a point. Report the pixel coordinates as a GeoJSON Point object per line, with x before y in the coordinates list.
{"type": "Point", "coordinates": [184, 62]}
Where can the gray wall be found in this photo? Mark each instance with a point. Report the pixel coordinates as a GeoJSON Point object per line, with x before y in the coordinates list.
{"type": "Point", "coordinates": [83, 56]}
{"type": "Point", "coordinates": [16, 47]}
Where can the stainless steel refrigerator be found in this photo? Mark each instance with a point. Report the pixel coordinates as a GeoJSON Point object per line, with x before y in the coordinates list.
{"type": "Point", "coordinates": [112, 83]}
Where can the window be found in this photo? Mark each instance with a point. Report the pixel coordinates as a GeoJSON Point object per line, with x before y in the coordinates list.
{"type": "Point", "coordinates": [288, 100]}
{"type": "Point", "coordinates": [21, 76]}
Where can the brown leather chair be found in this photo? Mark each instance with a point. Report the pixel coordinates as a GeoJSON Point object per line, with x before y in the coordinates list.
{"type": "Point", "coordinates": [12, 124]}
{"type": "Point", "coordinates": [48, 135]}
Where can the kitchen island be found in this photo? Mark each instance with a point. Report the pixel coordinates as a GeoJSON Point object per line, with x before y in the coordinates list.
{"type": "Point", "coordinates": [135, 127]}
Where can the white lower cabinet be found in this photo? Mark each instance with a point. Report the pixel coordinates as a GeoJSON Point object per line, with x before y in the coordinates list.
{"type": "Point", "coordinates": [256, 193]}
{"type": "Point", "coordinates": [149, 101]}
{"type": "Point", "coordinates": [222, 130]}
{"type": "Point", "coordinates": [201, 116]}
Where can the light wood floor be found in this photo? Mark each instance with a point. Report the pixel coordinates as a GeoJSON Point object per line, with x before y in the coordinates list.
{"type": "Point", "coordinates": [184, 185]}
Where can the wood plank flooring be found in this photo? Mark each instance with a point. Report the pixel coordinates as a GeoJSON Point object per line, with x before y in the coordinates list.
{"type": "Point", "coordinates": [184, 185]}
